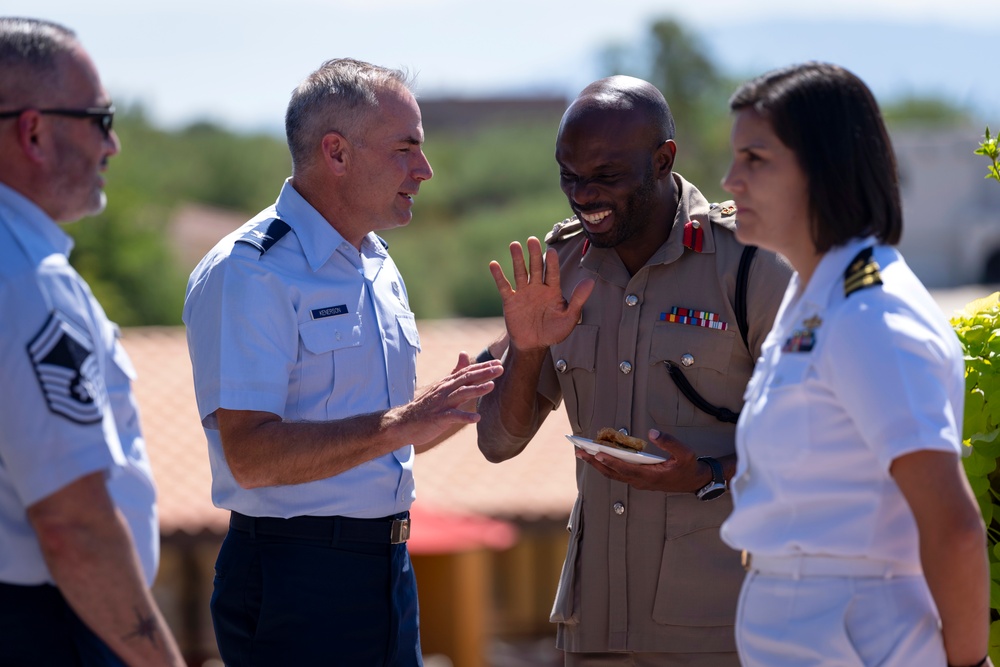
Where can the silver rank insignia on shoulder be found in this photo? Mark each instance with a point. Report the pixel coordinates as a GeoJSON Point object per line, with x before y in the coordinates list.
{"type": "Point", "coordinates": [803, 340]}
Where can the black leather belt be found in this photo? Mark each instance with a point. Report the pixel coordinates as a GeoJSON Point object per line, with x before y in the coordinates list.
{"type": "Point", "coordinates": [386, 530]}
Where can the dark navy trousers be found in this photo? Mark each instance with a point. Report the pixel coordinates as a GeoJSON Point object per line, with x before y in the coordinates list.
{"type": "Point", "coordinates": [319, 598]}
{"type": "Point", "coordinates": [39, 629]}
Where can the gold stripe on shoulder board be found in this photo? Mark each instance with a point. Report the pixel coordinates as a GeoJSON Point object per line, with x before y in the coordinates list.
{"type": "Point", "coordinates": [862, 272]}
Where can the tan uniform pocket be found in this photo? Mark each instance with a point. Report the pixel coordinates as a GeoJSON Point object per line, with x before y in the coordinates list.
{"type": "Point", "coordinates": [575, 362]}
{"type": "Point", "coordinates": [704, 356]}
{"type": "Point", "coordinates": [565, 608]}
{"type": "Point", "coordinates": [700, 576]}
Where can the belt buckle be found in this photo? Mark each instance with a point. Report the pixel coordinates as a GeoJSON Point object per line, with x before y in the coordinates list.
{"type": "Point", "coordinates": [400, 531]}
{"type": "Point", "coordinates": [745, 559]}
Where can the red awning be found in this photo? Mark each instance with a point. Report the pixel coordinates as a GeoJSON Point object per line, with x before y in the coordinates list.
{"type": "Point", "coordinates": [435, 531]}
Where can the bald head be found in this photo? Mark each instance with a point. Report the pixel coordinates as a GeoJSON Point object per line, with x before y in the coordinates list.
{"type": "Point", "coordinates": [623, 94]}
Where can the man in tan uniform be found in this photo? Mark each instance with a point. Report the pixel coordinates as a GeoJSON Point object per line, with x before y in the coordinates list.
{"type": "Point", "coordinates": [641, 285]}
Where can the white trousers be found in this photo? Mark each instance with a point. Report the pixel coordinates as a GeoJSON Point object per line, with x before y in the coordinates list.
{"type": "Point", "coordinates": [837, 621]}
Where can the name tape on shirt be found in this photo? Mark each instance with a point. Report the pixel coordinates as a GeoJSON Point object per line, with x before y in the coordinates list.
{"type": "Point", "coordinates": [329, 311]}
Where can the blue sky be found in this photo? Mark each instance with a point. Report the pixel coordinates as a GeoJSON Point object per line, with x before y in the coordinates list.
{"type": "Point", "coordinates": [235, 62]}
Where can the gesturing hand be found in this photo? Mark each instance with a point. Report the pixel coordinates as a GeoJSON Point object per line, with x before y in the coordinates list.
{"type": "Point", "coordinates": [447, 403]}
{"type": "Point", "coordinates": [535, 312]}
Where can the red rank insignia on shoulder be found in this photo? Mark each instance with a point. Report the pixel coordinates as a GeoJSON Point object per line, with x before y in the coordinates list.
{"type": "Point", "coordinates": [693, 235]}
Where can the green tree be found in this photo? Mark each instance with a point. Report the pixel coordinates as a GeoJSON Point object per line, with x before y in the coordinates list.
{"type": "Point", "coordinates": [126, 253]}
{"type": "Point", "coordinates": [926, 111]}
{"type": "Point", "coordinates": [677, 62]}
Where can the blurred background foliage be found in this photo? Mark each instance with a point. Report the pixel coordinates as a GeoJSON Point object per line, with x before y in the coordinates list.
{"type": "Point", "coordinates": [493, 184]}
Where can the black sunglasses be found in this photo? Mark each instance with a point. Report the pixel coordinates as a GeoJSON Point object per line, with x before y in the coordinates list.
{"type": "Point", "coordinates": [104, 116]}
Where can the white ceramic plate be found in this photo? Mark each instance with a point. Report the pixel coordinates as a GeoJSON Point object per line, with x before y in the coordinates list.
{"type": "Point", "coordinates": [592, 447]}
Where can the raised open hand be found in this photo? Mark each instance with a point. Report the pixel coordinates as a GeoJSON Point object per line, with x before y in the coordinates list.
{"type": "Point", "coordinates": [535, 311]}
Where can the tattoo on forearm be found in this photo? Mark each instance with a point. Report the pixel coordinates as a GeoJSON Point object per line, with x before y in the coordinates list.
{"type": "Point", "coordinates": [145, 627]}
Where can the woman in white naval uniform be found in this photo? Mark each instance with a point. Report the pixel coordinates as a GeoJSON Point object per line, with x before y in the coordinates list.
{"type": "Point", "coordinates": [865, 545]}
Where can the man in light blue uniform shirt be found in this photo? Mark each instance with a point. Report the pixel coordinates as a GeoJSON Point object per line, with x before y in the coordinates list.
{"type": "Point", "coordinates": [304, 354]}
{"type": "Point", "coordinates": [79, 538]}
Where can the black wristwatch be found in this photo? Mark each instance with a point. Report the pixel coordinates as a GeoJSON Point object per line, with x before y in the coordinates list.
{"type": "Point", "coordinates": [717, 486]}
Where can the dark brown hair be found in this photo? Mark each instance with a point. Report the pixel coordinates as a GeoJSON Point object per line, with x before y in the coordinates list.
{"type": "Point", "coordinates": [829, 118]}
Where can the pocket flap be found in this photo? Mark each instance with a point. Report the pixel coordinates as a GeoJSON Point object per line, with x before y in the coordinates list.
{"type": "Point", "coordinates": [408, 325]}
{"type": "Point", "coordinates": [699, 347]}
{"type": "Point", "coordinates": [328, 334]}
{"type": "Point", "coordinates": [579, 350]}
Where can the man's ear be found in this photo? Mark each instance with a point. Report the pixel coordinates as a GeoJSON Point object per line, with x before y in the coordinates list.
{"type": "Point", "coordinates": [663, 159]}
{"type": "Point", "coordinates": [336, 152]}
{"type": "Point", "coordinates": [30, 136]}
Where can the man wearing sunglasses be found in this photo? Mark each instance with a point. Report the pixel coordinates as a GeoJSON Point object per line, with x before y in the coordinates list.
{"type": "Point", "coordinates": [78, 524]}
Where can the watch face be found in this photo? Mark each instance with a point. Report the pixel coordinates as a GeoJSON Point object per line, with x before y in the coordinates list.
{"type": "Point", "coordinates": [711, 491]}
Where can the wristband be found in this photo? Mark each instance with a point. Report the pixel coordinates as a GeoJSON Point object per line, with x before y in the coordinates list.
{"type": "Point", "coordinates": [485, 355]}
{"type": "Point", "coordinates": [978, 664]}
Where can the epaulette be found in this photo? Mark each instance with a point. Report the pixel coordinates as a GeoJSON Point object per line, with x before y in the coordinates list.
{"type": "Point", "coordinates": [723, 213]}
{"type": "Point", "coordinates": [862, 272]}
{"type": "Point", "coordinates": [561, 231]}
{"type": "Point", "coordinates": [266, 234]}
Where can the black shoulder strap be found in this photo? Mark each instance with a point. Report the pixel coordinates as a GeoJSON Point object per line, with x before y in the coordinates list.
{"type": "Point", "coordinates": [742, 278]}
{"type": "Point", "coordinates": [263, 239]}
{"type": "Point", "coordinates": [677, 375]}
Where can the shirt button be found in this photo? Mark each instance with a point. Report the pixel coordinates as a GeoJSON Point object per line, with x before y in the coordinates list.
{"type": "Point", "coordinates": [625, 367]}
{"type": "Point", "coordinates": [561, 365]}
{"type": "Point", "coordinates": [687, 359]}
{"type": "Point", "coordinates": [623, 431]}
{"type": "Point", "coordinates": [619, 508]}
{"type": "Point", "coordinates": [631, 300]}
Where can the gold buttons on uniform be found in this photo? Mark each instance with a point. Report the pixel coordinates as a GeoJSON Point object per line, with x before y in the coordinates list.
{"type": "Point", "coordinates": [561, 365]}
{"type": "Point", "coordinates": [631, 300]}
{"type": "Point", "coordinates": [687, 359]}
{"type": "Point", "coordinates": [625, 367]}
{"type": "Point", "coordinates": [619, 508]}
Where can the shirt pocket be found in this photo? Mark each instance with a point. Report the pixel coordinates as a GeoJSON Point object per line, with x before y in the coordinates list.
{"type": "Point", "coordinates": [409, 347]}
{"type": "Point", "coordinates": [575, 363]}
{"type": "Point", "coordinates": [703, 355]}
{"type": "Point", "coordinates": [330, 352]}
{"type": "Point", "coordinates": [776, 429]}
{"type": "Point", "coordinates": [699, 578]}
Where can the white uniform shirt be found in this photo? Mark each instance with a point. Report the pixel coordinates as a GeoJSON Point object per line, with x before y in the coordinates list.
{"type": "Point", "coordinates": [311, 330]}
{"type": "Point", "coordinates": [821, 427]}
{"type": "Point", "coordinates": [66, 405]}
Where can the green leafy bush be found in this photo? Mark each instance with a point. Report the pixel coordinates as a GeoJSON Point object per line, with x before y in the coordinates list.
{"type": "Point", "coordinates": [991, 149]}
{"type": "Point", "coordinates": [978, 328]}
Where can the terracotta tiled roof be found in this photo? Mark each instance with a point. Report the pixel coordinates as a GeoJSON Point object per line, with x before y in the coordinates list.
{"type": "Point", "coordinates": [454, 477]}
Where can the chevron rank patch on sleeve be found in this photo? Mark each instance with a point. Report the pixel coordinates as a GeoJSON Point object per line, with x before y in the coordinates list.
{"type": "Point", "coordinates": [67, 370]}
{"type": "Point", "coordinates": [862, 272]}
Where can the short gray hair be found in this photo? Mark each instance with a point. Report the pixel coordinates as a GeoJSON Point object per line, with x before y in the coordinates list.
{"type": "Point", "coordinates": [29, 58]}
{"type": "Point", "coordinates": [337, 97]}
